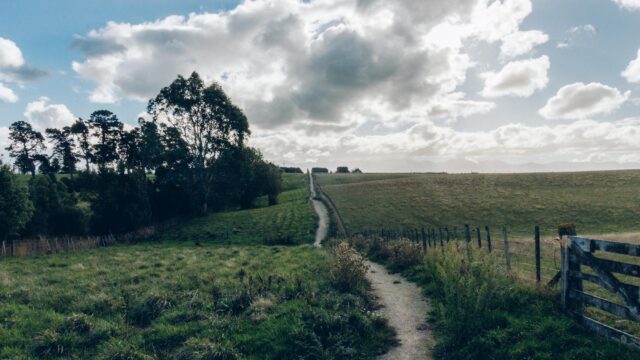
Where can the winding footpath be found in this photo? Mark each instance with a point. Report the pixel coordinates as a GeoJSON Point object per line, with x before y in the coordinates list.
{"type": "Point", "coordinates": [323, 215]}
{"type": "Point", "coordinates": [402, 302]}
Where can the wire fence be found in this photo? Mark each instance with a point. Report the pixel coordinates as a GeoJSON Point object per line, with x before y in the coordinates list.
{"type": "Point", "coordinates": [537, 258]}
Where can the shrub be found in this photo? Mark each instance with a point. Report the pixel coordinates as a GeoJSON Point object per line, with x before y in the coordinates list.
{"type": "Point", "coordinates": [348, 271]}
{"type": "Point", "coordinates": [403, 254]}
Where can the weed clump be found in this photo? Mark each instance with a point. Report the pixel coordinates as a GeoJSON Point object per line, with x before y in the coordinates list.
{"type": "Point", "coordinates": [348, 271]}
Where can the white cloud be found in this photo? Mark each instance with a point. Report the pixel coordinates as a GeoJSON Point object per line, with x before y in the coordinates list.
{"type": "Point", "coordinates": [632, 72]}
{"type": "Point", "coordinates": [7, 95]}
{"type": "Point", "coordinates": [421, 146]}
{"type": "Point", "coordinates": [578, 101]}
{"type": "Point", "coordinates": [13, 69]}
{"type": "Point", "coordinates": [313, 64]}
{"type": "Point", "coordinates": [455, 106]}
{"type": "Point", "coordinates": [517, 78]}
{"type": "Point", "coordinates": [628, 4]}
{"type": "Point", "coordinates": [10, 54]}
{"type": "Point", "coordinates": [42, 115]}
{"type": "Point", "coordinates": [575, 34]}
{"type": "Point", "coordinates": [521, 43]}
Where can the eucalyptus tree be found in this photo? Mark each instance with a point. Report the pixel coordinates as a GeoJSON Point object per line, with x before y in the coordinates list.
{"type": "Point", "coordinates": [208, 122]}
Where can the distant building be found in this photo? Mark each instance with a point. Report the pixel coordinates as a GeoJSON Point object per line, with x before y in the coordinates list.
{"type": "Point", "coordinates": [357, 171]}
{"type": "Point", "coordinates": [291, 170]}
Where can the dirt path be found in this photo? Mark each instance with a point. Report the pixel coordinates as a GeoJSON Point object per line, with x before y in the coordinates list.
{"type": "Point", "coordinates": [323, 215]}
{"type": "Point", "coordinates": [406, 309]}
{"type": "Point", "coordinates": [402, 302]}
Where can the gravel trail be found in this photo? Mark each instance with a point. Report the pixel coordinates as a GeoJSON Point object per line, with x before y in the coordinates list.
{"type": "Point", "coordinates": [402, 302]}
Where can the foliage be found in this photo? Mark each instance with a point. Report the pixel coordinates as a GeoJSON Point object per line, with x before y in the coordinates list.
{"type": "Point", "coordinates": [15, 206]}
{"type": "Point", "coordinates": [122, 203]}
{"type": "Point", "coordinates": [55, 210]}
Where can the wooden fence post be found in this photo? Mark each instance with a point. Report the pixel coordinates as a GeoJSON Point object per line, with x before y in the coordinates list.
{"type": "Point", "coordinates": [486, 227]}
{"type": "Point", "coordinates": [507, 255]}
{"type": "Point", "coordinates": [424, 241]}
{"type": "Point", "coordinates": [467, 233]}
{"type": "Point", "coordinates": [537, 243]}
{"type": "Point", "coordinates": [446, 231]}
{"type": "Point", "coordinates": [479, 237]}
{"type": "Point", "coordinates": [564, 277]}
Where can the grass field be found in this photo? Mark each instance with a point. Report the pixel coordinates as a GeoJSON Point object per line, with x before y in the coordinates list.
{"type": "Point", "coordinates": [291, 221]}
{"type": "Point", "coordinates": [183, 302]}
{"type": "Point", "coordinates": [597, 202]}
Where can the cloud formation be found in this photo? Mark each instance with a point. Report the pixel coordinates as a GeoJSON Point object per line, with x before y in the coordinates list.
{"type": "Point", "coordinates": [632, 72]}
{"type": "Point", "coordinates": [628, 4]}
{"type": "Point", "coordinates": [521, 43]}
{"type": "Point", "coordinates": [579, 101]}
{"type": "Point", "coordinates": [313, 64]}
{"type": "Point", "coordinates": [7, 95]}
{"type": "Point", "coordinates": [41, 114]}
{"type": "Point", "coordinates": [14, 69]}
{"type": "Point", "coordinates": [517, 78]}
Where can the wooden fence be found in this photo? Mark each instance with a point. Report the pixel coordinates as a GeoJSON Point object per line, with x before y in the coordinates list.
{"type": "Point", "coordinates": [581, 252]}
{"type": "Point", "coordinates": [51, 245]}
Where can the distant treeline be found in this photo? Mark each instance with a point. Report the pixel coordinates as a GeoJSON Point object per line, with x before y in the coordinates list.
{"type": "Point", "coordinates": [188, 158]}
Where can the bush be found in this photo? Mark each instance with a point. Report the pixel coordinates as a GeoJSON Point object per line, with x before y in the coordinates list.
{"type": "Point", "coordinates": [348, 271]}
{"type": "Point", "coordinates": [403, 254]}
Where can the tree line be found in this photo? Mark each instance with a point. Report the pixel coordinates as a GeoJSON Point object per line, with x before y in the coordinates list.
{"type": "Point", "coordinates": [189, 158]}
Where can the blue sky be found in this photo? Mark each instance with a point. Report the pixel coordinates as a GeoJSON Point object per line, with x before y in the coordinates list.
{"type": "Point", "coordinates": [368, 83]}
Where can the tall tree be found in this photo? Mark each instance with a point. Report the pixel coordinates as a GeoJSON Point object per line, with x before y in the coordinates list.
{"type": "Point", "coordinates": [207, 120]}
{"type": "Point", "coordinates": [63, 148]}
{"type": "Point", "coordinates": [81, 134]}
{"type": "Point", "coordinates": [26, 144]}
{"type": "Point", "coordinates": [107, 130]}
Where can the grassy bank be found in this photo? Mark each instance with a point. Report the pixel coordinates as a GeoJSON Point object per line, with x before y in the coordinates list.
{"type": "Point", "coordinates": [292, 221]}
{"type": "Point", "coordinates": [481, 312]}
{"type": "Point", "coordinates": [598, 202]}
{"type": "Point", "coordinates": [184, 302]}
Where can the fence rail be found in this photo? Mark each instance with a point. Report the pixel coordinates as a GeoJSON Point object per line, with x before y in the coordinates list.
{"type": "Point", "coordinates": [580, 252]}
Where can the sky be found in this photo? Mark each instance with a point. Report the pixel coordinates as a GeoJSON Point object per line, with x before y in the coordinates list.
{"type": "Point", "coordinates": [439, 85]}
